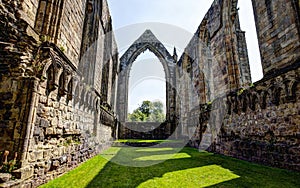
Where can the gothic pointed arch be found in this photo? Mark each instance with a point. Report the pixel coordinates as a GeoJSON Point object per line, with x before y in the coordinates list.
{"type": "Point", "coordinates": [147, 41]}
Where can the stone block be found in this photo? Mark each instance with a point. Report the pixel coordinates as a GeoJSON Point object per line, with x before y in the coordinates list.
{"type": "Point", "coordinates": [44, 123]}
{"type": "Point", "coordinates": [39, 171]}
{"type": "Point", "coordinates": [55, 163]}
{"type": "Point", "coordinates": [62, 107]}
{"type": "Point", "coordinates": [52, 113]}
{"type": "Point", "coordinates": [31, 157]}
{"type": "Point", "coordinates": [26, 184]}
{"type": "Point", "coordinates": [50, 131]}
{"type": "Point", "coordinates": [56, 152]}
{"type": "Point", "coordinates": [50, 103]}
{"type": "Point", "coordinates": [58, 113]}
{"type": "Point", "coordinates": [59, 131]}
{"type": "Point", "coordinates": [56, 105]}
{"type": "Point", "coordinates": [13, 184]}
{"type": "Point", "coordinates": [16, 134]}
{"type": "Point", "coordinates": [61, 151]}
{"type": "Point", "coordinates": [37, 131]}
{"type": "Point", "coordinates": [4, 177]}
{"type": "Point", "coordinates": [54, 121]}
{"type": "Point", "coordinates": [39, 155]}
{"type": "Point", "coordinates": [43, 99]}
{"type": "Point", "coordinates": [47, 165]}
{"type": "Point", "coordinates": [49, 177]}
{"type": "Point", "coordinates": [23, 173]}
{"type": "Point", "coordinates": [295, 151]}
{"type": "Point", "coordinates": [37, 182]}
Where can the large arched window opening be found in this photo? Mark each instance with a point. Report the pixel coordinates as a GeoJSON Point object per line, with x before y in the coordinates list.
{"type": "Point", "coordinates": [247, 23]}
{"type": "Point", "coordinates": [147, 41]}
{"type": "Point", "coordinates": [147, 82]}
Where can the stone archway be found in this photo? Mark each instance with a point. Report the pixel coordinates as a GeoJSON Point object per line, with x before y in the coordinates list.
{"type": "Point", "coordinates": [147, 41]}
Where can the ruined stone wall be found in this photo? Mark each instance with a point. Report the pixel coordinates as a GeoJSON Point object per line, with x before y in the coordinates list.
{"type": "Point", "coordinates": [143, 130]}
{"type": "Point", "coordinates": [261, 123]}
{"type": "Point", "coordinates": [98, 51]}
{"type": "Point", "coordinates": [60, 22]}
{"type": "Point", "coordinates": [278, 30]}
{"type": "Point", "coordinates": [15, 106]}
{"type": "Point", "coordinates": [16, 64]}
{"type": "Point", "coordinates": [214, 62]}
{"type": "Point", "coordinates": [49, 115]}
{"type": "Point", "coordinates": [216, 57]}
{"type": "Point", "coordinates": [258, 124]}
{"type": "Point", "coordinates": [69, 126]}
{"type": "Point", "coordinates": [28, 11]}
{"type": "Point", "coordinates": [71, 29]}
{"type": "Point", "coordinates": [115, 74]}
{"type": "Point", "coordinates": [99, 61]}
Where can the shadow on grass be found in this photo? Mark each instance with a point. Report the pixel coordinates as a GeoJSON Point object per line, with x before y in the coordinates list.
{"type": "Point", "coordinates": [187, 168]}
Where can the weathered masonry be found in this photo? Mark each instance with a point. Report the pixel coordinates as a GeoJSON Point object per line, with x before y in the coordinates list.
{"type": "Point", "coordinates": [214, 63]}
{"type": "Point", "coordinates": [58, 60]}
{"type": "Point", "coordinates": [64, 95]}
{"type": "Point", "coordinates": [261, 122]}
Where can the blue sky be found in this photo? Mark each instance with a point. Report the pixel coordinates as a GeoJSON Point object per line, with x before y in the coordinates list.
{"type": "Point", "coordinates": [132, 17]}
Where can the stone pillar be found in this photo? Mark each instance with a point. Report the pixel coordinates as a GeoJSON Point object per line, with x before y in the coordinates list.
{"type": "Point", "coordinates": [278, 33]}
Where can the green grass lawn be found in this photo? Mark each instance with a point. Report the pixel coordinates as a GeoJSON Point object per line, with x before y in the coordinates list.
{"type": "Point", "coordinates": [147, 141]}
{"type": "Point", "coordinates": [170, 167]}
{"type": "Point", "coordinates": [139, 140]}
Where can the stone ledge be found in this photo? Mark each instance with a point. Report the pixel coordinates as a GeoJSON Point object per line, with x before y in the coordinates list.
{"type": "Point", "coordinates": [11, 184]}
{"type": "Point", "coordinates": [23, 173]}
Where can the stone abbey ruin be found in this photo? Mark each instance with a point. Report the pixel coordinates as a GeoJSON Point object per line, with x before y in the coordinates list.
{"type": "Point", "coordinates": [64, 88]}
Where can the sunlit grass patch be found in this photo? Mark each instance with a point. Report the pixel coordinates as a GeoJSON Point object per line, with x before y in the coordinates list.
{"type": "Point", "coordinates": [150, 149]}
{"type": "Point", "coordinates": [194, 177]}
{"type": "Point", "coordinates": [163, 157]}
{"type": "Point", "coordinates": [185, 168]}
{"type": "Point", "coordinates": [146, 141]}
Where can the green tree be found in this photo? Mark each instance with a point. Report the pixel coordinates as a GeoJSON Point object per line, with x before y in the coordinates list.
{"type": "Point", "coordinates": [148, 112]}
{"type": "Point", "coordinates": [158, 107]}
{"type": "Point", "coordinates": [146, 108]}
{"type": "Point", "coordinates": [137, 116]}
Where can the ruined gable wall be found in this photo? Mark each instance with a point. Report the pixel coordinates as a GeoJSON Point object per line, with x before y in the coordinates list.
{"type": "Point", "coordinates": [215, 61]}
{"type": "Point", "coordinates": [218, 52]}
